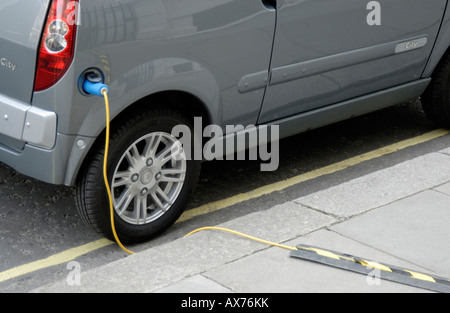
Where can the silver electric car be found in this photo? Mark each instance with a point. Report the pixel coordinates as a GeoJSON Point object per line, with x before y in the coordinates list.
{"type": "Point", "coordinates": [294, 64]}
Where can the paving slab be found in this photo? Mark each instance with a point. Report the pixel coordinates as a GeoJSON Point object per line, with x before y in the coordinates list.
{"type": "Point", "coordinates": [445, 151]}
{"type": "Point", "coordinates": [381, 187]}
{"type": "Point", "coordinates": [445, 188]}
{"type": "Point", "coordinates": [414, 229]}
{"type": "Point", "coordinates": [195, 284]}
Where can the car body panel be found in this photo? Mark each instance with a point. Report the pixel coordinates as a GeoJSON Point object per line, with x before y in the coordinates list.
{"type": "Point", "coordinates": [20, 33]}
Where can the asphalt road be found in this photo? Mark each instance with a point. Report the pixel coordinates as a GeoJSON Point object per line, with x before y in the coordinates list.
{"type": "Point", "coordinates": [38, 220]}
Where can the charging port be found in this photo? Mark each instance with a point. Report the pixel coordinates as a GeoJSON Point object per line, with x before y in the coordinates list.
{"type": "Point", "coordinates": [91, 83]}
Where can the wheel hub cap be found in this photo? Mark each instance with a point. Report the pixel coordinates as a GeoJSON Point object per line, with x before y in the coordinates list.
{"type": "Point", "coordinates": [148, 178]}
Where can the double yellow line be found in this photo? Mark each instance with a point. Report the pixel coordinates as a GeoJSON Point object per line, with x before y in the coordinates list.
{"type": "Point", "coordinates": [69, 255]}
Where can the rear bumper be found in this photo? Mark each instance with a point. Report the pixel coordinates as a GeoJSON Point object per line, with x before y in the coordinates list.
{"type": "Point", "coordinates": [30, 144]}
{"type": "Point", "coordinates": [26, 123]}
{"type": "Point", "coordinates": [58, 166]}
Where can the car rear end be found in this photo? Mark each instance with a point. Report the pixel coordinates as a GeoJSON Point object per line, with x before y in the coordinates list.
{"type": "Point", "coordinates": [37, 43]}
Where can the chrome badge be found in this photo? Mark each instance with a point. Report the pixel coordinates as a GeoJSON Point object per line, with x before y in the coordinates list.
{"type": "Point", "coordinates": [411, 45]}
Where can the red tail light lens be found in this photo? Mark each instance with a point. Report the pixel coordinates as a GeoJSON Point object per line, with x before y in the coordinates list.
{"type": "Point", "coordinates": [57, 43]}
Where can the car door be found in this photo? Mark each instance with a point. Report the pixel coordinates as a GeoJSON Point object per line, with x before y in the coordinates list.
{"type": "Point", "coordinates": [328, 51]}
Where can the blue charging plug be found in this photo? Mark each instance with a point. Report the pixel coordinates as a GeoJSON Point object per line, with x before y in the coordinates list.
{"type": "Point", "coordinates": [93, 86]}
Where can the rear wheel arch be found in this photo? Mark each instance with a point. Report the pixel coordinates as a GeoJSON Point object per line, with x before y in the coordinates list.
{"type": "Point", "coordinates": [182, 102]}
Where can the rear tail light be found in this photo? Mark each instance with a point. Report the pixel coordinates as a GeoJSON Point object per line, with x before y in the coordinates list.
{"type": "Point", "coordinates": [57, 44]}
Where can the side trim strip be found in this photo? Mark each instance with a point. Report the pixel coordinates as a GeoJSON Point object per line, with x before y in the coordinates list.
{"type": "Point", "coordinates": [342, 60]}
{"type": "Point", "coordinates": [300, 70]}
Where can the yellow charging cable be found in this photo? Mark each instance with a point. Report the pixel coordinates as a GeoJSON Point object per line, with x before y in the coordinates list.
{"type": "Point", "coordinates": [105, 172]}
{"type": "Point", "coordinates": [108, 189]}
{"type": "Point", "coordinates": [242, 235]}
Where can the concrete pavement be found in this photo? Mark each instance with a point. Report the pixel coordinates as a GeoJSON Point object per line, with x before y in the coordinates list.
{"type": "Point", "coordinates": [398, 216]}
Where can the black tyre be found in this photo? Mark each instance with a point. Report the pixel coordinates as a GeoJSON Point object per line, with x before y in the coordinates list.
{"type": "Point", "coordinates": [436, 99]}
{"type": "Point", "coordinates": [151, 180]}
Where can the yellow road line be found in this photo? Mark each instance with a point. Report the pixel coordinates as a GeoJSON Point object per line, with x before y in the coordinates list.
{"type": "Point", "coordinates": [333, 168]}
{"type": "Point", "coordinates": [74, 253]}
{"type": "Point", "coordinates": [60, 258]}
